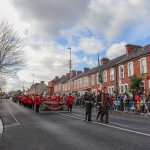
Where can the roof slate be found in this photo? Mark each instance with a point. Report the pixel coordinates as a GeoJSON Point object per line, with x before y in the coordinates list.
{"type": "Point", "coordinates": [136, 53]}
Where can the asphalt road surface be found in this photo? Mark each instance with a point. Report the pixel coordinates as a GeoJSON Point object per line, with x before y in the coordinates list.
{"type": "Point", "coordinates": [26, 130]}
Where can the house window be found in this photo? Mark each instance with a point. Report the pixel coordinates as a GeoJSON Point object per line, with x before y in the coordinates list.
{"type": "Point", "coordinates": [111, 74]}
{"type": "Point", "coordinates": [94, 92]}
{"type": "Point", "coordinates": [121, 71]}
{"type": "Point", "coordinates": [75, 84]}
{"type": "Point", "coordinates": [63, 87]}
{"type": "Point", "coordinates": [143, 65]}
{"type": "Point", "coordinates": [92, 79]}
{"type": "Point", "coordinates": [130, 69]}
{"type": "Point", "coordinates": [97, 78]}
{"type": "Point", "coordinates": [142, 85]}
{"type": "Point", "coordinates": [80, 83]}
{"type": "Point", "coordinates": [85, 81]}
{"type": "Point", "coordinates": [68, 85]}
{"type": "Point", "coordinates": [105, 76]}
{"type": "Point", "coordinates": [111, 90]}
{"type": "Point", "coordinates": [124, 88]}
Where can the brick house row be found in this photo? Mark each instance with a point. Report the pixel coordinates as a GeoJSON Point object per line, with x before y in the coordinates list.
{"type": "Point", "coordinates": [116, 73]}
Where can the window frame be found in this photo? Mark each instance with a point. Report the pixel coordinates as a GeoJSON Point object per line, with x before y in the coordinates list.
{"type": "Point", "coordinates": [145, 70]}
{"type": "Point", "coordinates": [112, 79]}
{"type": "Point", "coordinates": [92, 80]}
{"type": "Point", "coordinates": [105, 75]}
{"type": "Point", "coordinates": [111, 90]}
{"type": "Point", "coordinates": [120, 74]}
{"type": "Point", "coordinates": [132, 71]}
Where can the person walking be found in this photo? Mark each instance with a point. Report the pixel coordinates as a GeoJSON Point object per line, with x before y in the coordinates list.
{"type": "Point", "coordinates": [99, 104]}
{"type": "Point", "coordinates": [37, 103]}
{"type": "Point", "coordinates": [70, 102]}
{"type": "Point", "coordinates": [105, 112]}
{"type": "Point", "coordinates": [89, 99]}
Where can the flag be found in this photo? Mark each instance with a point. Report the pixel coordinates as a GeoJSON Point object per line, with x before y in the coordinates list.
{"type": "Point", "coordinates": [100, 74]}
{"type": "Point", "coordinates": [129, 94]}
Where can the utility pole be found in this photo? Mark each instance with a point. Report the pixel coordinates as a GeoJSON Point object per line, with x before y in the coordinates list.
{"type": "Point", "coordinates": [70, 66]}
{"type": "Point", "coordinates": [33, 79]}
{"type": "Point", "coordinates": [23, 88]}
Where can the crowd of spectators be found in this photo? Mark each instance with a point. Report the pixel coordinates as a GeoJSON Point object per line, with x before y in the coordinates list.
{"type": "Point", "coordinates": [135, 101]}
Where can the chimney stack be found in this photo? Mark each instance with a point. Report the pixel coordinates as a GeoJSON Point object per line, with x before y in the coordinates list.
{"type": "Point", "coordinates": [56, 78]}
{"type": "Point", "coordinates": [104, 60]}
{"type": "Point", "coordinates": [130, 48]}
{"type": "Point", "coordinates": [86, 69]}
{"type": "Point", "coordinates": [73, 73]}
{"type": "Point", "coordinates": [67, 75]}
{"type": "Point", "coordinates": [78, 72]}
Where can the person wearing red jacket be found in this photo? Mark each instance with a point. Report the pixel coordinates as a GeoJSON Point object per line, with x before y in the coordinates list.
{"type": "Point", "coordinates": [70, 102]}
{"type": "Point", "coordinates": [37, 103]}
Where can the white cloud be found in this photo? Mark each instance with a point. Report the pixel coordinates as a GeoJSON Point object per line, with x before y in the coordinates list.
{"type": "Point", "coordinates": [90, 45]}
{"type": "Point", "coordinates": [116, 50]}
{"type": "Point", "coordinates": [111, 17]}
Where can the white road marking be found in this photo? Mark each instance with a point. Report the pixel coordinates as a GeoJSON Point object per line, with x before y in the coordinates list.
{"type": "Point", "coordinates": [107, 125]}
{"type": "Point", "coordinates": [1, 128]}
{"type": "Point", "coordinates": [12, 113]}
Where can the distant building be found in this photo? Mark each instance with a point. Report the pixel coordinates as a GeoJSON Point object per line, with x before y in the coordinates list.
{"type": "Point", "coordinates": [38, 88]}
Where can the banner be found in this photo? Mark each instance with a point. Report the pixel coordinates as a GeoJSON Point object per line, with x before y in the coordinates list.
{"type": "Point", "coordinates": [54, 105]}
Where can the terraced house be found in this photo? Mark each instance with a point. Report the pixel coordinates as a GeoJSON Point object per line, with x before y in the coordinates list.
{"type": "Point", "coordinates": [116, 73]}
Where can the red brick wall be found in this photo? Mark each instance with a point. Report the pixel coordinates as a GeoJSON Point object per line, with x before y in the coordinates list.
{"type": "Point", "coordinates": [136, 65]}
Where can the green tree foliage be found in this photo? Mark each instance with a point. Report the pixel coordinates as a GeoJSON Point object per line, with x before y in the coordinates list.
{"type": "Point", "coordinates": [135, 82]}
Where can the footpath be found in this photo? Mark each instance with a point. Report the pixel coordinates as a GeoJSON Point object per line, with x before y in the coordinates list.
{"type": "Point", "coordinates": [121, 112]}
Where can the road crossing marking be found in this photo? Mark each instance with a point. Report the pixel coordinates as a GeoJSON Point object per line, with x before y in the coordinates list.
{"type": "Point", "coordinates": [11, 113]}
{"type": "Point", "coordinates": [107, 125]}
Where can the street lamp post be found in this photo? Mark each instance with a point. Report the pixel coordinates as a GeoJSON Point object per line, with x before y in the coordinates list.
{"type": "Point", "coordinates": [70, 69]}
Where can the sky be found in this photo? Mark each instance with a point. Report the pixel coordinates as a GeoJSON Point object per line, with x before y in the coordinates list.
{"type": "Point", "coordinates": [88, 27]}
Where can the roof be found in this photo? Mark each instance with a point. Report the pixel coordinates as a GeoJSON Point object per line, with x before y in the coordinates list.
{"type": "Point", "coordinates": [136, 53]}
{"type": "Point", "coordinates": [113, 62]}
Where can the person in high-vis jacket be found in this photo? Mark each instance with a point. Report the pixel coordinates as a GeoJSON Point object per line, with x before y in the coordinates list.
{"type": "Point", "coordinates": [89, 99]}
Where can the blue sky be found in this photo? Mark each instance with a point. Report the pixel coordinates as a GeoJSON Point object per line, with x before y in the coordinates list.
{"type": "Point", "coordinates": [89, 27]}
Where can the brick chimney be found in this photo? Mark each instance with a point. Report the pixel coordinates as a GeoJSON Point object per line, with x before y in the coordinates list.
{"type": "Point", "coordinates": [78, 72]}
{"type": "Point", "coordinates": [73, 73]}
{"type": "Point", "coordinates": [86, 69]}
{"type": "Point", "coordinates": [56, 78]}
{"type": "Point", "coordinates": [42, 82]}
{"type": "Point", "coordinates": [67, 75]}
{"type": "Point", "coordinates": [63, 76]}
{"type": "Point", "coordinates": [104, 60]}
{"type": "Point", "coordinates": [130, 48]}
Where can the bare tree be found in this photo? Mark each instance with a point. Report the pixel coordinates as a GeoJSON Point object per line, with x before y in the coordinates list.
{"type": "Point", "coordinates": [11, 49]}
{"type": "Point", "coordinates": [2, 82]}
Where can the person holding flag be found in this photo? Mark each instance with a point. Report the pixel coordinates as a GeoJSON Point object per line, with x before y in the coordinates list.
{"type": "Point", "coordinates": [104, 97]}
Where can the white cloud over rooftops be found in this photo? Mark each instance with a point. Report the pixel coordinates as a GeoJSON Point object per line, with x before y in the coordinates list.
{"type": "Point", "coordinates": [116, 50]}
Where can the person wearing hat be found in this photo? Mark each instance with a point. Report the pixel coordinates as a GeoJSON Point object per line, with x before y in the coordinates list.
{"type": "Point", "coordinates": [89, 99]}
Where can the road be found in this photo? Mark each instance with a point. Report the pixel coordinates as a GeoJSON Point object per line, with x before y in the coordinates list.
{"type": "Point", "coordinates": [26, 130]}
